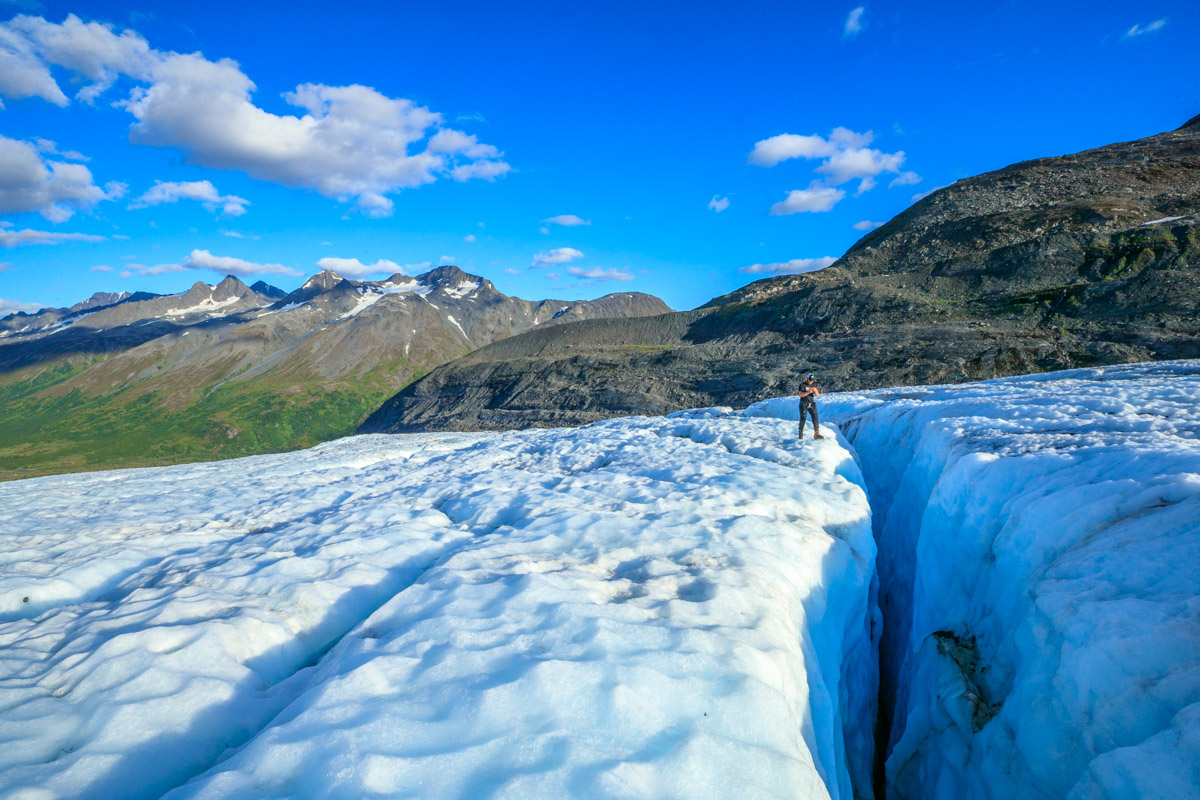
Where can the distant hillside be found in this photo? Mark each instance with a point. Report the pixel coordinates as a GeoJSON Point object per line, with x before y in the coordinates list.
{"type": "Point", "coordinates": [1086, 259]}
{"type": "Point", "coordinates": [133, 379]}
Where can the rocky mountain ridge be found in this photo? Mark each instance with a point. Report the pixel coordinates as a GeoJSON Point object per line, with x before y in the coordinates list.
{"type": "Point", "coordinates": [232, 369]}
{"type": "Point", "coordinates": [1085, 259]}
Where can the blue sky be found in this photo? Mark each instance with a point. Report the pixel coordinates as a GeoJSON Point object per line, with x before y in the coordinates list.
{"type": "Point", "coordinates": [704, 145]}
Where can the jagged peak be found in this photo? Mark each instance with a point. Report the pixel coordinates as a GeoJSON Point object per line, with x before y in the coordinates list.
{"type": "Point", "coordinates": [262, 287]}
{"type": "Point", "coordinates": [1194, 122]}
{"type": "Point", "coordinates": [447, 273]}
{"type": "Point", "coordinates": [325, 279]}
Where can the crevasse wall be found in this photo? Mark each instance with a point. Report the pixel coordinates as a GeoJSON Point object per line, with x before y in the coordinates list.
{"type": "Point", "coordinates": [1039, 542]}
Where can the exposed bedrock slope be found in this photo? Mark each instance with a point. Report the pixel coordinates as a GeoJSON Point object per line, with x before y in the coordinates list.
{"type": "Point", "coordinates": [1039, 541]}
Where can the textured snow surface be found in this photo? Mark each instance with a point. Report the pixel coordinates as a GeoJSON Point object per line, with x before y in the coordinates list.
{"type": "Point", "coordinates": [1039, 564]}
{"type": "Point", "coordinates": [637, 608]}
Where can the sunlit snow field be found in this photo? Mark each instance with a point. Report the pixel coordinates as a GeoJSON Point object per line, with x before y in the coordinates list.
{"type": "Point", "coordinates": [647, 607]}
{"type": "Point", "coordinates": [641, 607]}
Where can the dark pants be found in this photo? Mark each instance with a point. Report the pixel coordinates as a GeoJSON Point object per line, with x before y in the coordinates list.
{"type": "Point", "coordinates": [810, 408]}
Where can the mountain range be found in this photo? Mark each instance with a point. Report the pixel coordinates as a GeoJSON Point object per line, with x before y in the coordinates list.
{"type": "Point", "coordinates": [126, 379]}
{"type": "Point", "coordinates": [1076, 260]}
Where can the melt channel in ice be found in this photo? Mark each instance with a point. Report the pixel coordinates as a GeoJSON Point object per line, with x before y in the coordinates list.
{"type": "Point", "coordinates": [1039, 567]}
{"type": "Point", "coordinates": [672, 607]}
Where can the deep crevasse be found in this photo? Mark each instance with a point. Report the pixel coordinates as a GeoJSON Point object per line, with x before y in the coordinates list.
{"type": "Point", "coordinates": [1039, 546]}
{"type": "Point", "coordinates": [637, 608]}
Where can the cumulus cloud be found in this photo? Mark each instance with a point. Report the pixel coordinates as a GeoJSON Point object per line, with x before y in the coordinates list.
{"type": "Point", "coordinates": [815, 198]}
{"type": "Point", "coordinates": [350, 143]}
{"type": "Point", "coordinates": [845, 156]}
{"type": "Point", "coordinates": [9, 237]}
{"type": "Point", "coordinates": [54, 189]}
{"type": "Point", "coordinates": [13, 306]}
{"type": "Point", "coordinates": [141, 270]}
{"type": "Point", "coordinates": [51, 148]}
{"type": "Point", "coordinates": [866, 225]}
{"type": "Point", "coordinates": [353, 268]}
{"type": "Point", "coordinates": [853, 23]}
{"type": "Point", "coordinates": [718, 204]}
{"type": "Point", "coordinates": [202, 192]}
{"type": "Point", "coordinates": [469, 238]}
{"type": "Point", "coordinates": [907, 178]}
{"type": "Point", "coordinates": [1138, 29]}
{"type": "Point", "coordinates": [793, 267]}
{"type": "Point", "coordinates": [598, 274]}
{"type": "Point", "coordinates": [444, 260]}
{"type": "Point", "coordinates": [566, 220]}
{"type": "Point", "coordinates": [226, 265]}
{"type": "Point", "coordinates": [559, 255]}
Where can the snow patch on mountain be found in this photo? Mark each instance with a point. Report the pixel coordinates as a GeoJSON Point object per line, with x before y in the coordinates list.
{"type": "Point", "coordinates": [207, 306]}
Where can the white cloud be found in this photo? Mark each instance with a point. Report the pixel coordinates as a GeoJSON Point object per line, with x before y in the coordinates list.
{"type": "Point", "coordinates": [544, 230]}
{"type": "Point", "coordinates": [102, 268]}
{"type": "Point", "coordinates": [157, 269]}
{"type": "Point", "coordinates": [567, 221]}
{"type": "Point", "coordinates": [559, 255]}
{"type": "Point", "coordinates": [866, 225]}
{"type": "Point", "coordinates": [201, 191]}
{"type": "Point", "coordinates": [793, 267]}
{"type": "Point", "coordinates": [444, 260]}
{"type": "Point", "coordinates": [14, 238]}
{"type": "Point", "coordinates": [770, 152]}
{"type": "Point", "coordinates": [845, 156]}
{"type": "Point", "coordinates": [718, 204]}
{"type": "Point", "coordinates": [1138, 30]}
{"type": "Point", "coordinates": [374, 205]}
{"type": "Point", "coordinates": [923, 195]}
{"type": "Point", "coordinates": [815, 198]}
{"type": "Point", "coordinates": [13, 306]}
{"type": "Point", "coordinates": [598, 274]}
{"type": "Point", "coordinates": [54, 189]}
{"type": "Point", "coordinates": [353, 268]}
{"type": "Point", "coordinates": [853, 23]}
{"type": "Point", "coordinates": [512, 271]}
{"type": "Point", "coordinates": [907, 178]}
{"type": "Point", "coordinates": [469, 238]}
{"type": "Point", "coordinates": [226, 265]}
{"type": "Point", "coordinates": [51, 148]}
{"type": "Point", "coordinates": [350, 143]}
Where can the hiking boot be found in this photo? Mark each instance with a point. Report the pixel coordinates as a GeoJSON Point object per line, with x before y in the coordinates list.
{"type": "Point", "coordinates": [818, 436]}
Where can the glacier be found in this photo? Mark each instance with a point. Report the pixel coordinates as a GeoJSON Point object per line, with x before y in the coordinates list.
{"type": "Point", "coordinates": [690, 606]}
{"type": "Point", "coordinates": [637, 608]}
{"type": "Point", "coordinates": [1039, 563]}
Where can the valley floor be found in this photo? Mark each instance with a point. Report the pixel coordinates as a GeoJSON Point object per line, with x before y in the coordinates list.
{"type": "Point", "coordinates": [687, 606]}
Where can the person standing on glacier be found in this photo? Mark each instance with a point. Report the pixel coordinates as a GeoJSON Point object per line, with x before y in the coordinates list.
{"type": "Point", "coordinates": [808, 405]}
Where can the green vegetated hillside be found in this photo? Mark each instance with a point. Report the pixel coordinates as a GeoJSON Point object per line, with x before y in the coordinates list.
{"type": "Point", "coordinates": [52, 425]}
{"type": "Point", "coordinates": [141, 380]}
